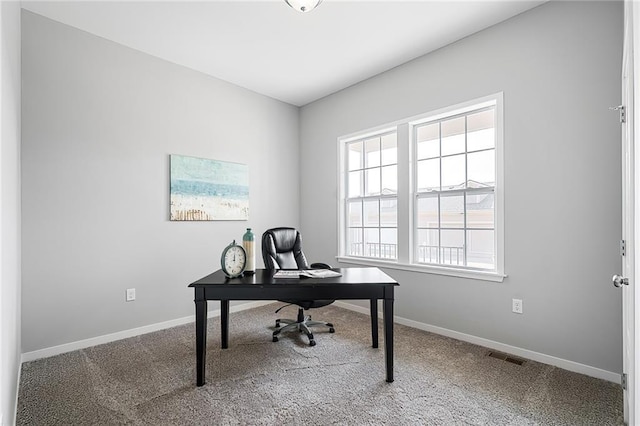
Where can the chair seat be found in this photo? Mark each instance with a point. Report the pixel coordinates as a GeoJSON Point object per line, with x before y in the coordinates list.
{"type": "Point", "coordinates": [309, 304]}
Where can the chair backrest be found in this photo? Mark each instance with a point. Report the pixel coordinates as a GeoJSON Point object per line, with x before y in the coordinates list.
{"type": "Point", "coordinates": [282, 249]}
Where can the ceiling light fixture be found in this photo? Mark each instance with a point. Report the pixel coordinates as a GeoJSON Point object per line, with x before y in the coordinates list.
{"type": "Point", "coordinates": [303, 5]}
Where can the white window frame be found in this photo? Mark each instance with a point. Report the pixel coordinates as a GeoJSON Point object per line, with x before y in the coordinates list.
{"type": "Point", "coordinates": [364, 197]}
{"type": "Point", "coordinates": [406, 194]}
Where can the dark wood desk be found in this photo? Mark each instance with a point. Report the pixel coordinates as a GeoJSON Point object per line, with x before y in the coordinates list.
{"type": "Point", "coordinates": [355, 283]}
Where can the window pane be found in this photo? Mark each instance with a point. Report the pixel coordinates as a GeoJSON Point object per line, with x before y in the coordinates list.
{"type": "Point", "coordinates": [389, 180]}
{"type": "Point", "coordinates": [427, 247]}
{"type": "Point", "coordinates": [372, 152]}
{"type": "Point", "coordinates": [428, 212]}
{"type": "Point", "coordinates": [452, 211]}
{"type": "Point", "coordinates": [372, 184]}
{"type": "Point", "coordinates": [372, 242]}
{"type": "Point", "coordinates": [355, 155]}
{"type": "Point", "coordinates": [428, 175]}
{"type": "Point", "coordinates": [453, 172]}
{"type": "Point", "coordinates": [378, 156]}
{"type": "Point", "coordinates": [452, 247]}
{"type": "Point", "coordinates": [355, 213]}
{"type": "Point", "coordinates": [482, 168]}
{"type": "Point", "coordinates": [480, 249]}
{"type": "Point", "coordinates": [389, 149]}
{"type": "Point", "coordinates": [428, 141]}
{"type": "Point", "coordinates": [388, 243]}
{"type": "Point", "coordinates": [354, 242]}
{"type": "Point", "coordinates": [480, 208]}
{"type": "Point", "coordinates": [480, 130]}
{"type": "Point", "coordinates": [371, 213]}
{"type": "Point", "coordinates": [453, 136]}
{"type": "Point", "coordinates": [389, 212]}
{"type": "Point", "coordinates": [355, 184]}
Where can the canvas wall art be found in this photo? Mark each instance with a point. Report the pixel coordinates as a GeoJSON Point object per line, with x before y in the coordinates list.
{"type": "Point", "coordinates": [204, 189]}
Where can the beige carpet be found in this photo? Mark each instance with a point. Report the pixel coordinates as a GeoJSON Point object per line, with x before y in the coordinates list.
{"type": "Point", "coordinates": [150, 380]}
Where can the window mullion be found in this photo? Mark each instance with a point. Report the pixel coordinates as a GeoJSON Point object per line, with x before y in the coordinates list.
{"type": "Point", "coordinates": [404, 202]}
{"type": "Point", "coordinates": [440, 249]}
{"type": "Point", "coordinates": [380, 199]}
{"type": "Point", "coordinates": [464, 197]}
{"type": "Point", "coordinates": [362, 226]}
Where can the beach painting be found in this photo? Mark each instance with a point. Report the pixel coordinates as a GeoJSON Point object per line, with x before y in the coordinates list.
{"type": "Point", "coordinates": [203, 189]}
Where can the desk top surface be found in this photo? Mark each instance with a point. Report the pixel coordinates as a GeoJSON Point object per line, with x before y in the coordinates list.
{"type": "Point", "coordinates": [350, 276]}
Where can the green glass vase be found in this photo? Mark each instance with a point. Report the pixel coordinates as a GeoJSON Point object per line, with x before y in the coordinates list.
{"type": "Point", "coordinates": [248, 244]}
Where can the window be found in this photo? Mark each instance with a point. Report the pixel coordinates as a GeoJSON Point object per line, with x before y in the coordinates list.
{"type": "Point", "coordinates": [454, 190]}
{"type": "Point", "coordinates": [372, 176]}
{"type": "Point", "coordinates": [425, 193]}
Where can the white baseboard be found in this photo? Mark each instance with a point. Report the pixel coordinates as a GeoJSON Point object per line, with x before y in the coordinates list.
{"type": "Point", "coordinates": [513, 350]}
{"type": "Point", "coordinates": [82, 344]}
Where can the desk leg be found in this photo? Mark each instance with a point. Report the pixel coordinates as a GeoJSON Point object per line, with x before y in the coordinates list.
{"type": "Point", "coordinates": [374, 322]}
{"type": "Point", "coordinates": [388, 337]}
{"type": "Point", "coordinates": [224, 323]}
{"type": "Point", "coordinates": [201, 334]}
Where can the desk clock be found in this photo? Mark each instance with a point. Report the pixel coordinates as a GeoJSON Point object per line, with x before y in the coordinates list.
{"type": "Point", "coordinates": [233, 260]}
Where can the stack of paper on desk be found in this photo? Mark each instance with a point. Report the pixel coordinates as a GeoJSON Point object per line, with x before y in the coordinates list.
{"type": "Point", "coordinates": [312, 273]}
{"type": "Point", "coordinates": [320, 273]}
{"type": "Point", "coordinates": [287, 274]}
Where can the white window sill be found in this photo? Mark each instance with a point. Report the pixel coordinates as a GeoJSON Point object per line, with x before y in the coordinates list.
{"type": "Point", "coordinates": [438, 270]}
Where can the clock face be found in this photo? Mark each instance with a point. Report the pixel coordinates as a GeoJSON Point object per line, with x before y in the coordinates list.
{"type": "Point", "coordinates": [234, 260]}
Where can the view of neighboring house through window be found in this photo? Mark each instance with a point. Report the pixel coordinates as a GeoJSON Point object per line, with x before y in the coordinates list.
{"type": "Point", "coordinates": [372, 196]}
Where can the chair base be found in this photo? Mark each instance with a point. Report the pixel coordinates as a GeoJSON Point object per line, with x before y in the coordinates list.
{"type": "Point", "coordinates": [301, 324]}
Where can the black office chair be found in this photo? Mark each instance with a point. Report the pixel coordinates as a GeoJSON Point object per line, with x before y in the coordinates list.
{"type": "Point", "coordinates": [282, 249]}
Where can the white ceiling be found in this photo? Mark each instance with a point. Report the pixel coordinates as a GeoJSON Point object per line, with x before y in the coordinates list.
{"type": "Point", "coordinates": [267, 47]}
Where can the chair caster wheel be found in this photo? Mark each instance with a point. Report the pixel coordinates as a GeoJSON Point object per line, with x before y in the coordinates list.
{"type": "Point", "coordinates": [312, 342]}
{"type": "Point", "coordinates": [275, 338]}
{"type": "Point", "coordinates": [332, 330]}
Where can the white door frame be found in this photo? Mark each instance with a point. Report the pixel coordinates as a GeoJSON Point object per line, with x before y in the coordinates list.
{"type": "Point", "coordinates": [631, 211]}
{"type": "Point", "coordinates": [632, 118]}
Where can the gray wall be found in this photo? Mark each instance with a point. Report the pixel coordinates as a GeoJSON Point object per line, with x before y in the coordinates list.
{"type": "Point", "coordinates": [99, 123]}
{"type": "Point", "coordinates": [9, 208]}
{"type": "Point", "coordinates": [559, 67]}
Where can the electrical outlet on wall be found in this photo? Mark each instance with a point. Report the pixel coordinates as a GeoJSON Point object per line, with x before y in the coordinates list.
{"type": "Point", "coordinates": [516, 306]}
{"type": "Point", "coordinates": [131, 294]}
